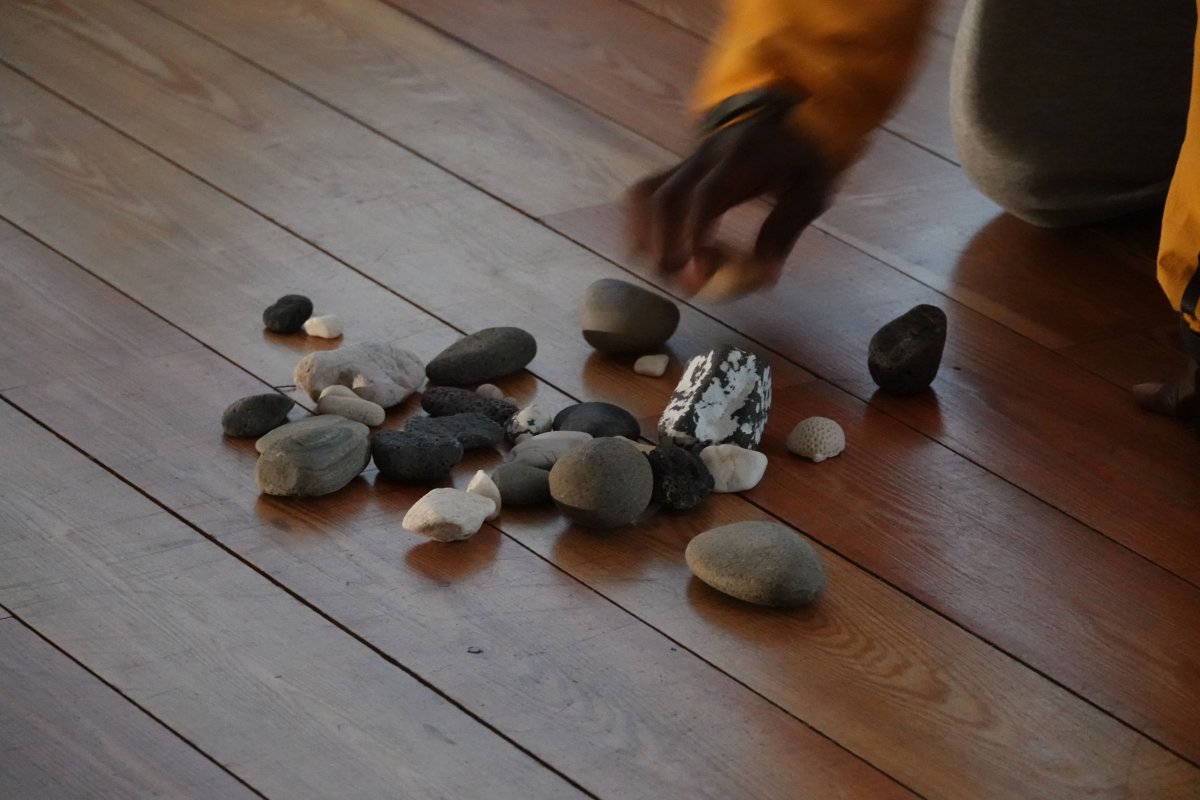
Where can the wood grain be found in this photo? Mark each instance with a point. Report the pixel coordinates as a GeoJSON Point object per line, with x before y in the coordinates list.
{"type": "Point", "coordinates": [64, 734]}
{"type": "Point", "coordinates": [906, 760]}
{"type": "Point", "coordinates": [593, 690]}
{"type": "Point", "coordinates": [284, 699]}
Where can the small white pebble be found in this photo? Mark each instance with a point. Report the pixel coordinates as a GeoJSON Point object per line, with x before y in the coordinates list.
{"type": "Point", "coordinates": [327, 326]}
{"type": "Point", "coordinates": [817, 438]}
{"type": "Point", "coordinates": [734, 469]}
{"type": "Point", "coordinates": [490, 391]}
{"type": "Point", "coordinates": [336, 390]}
{"type": "Point", "coordinates": [654, 366]}
{"type": "Point", "coordinates": [483, 485]}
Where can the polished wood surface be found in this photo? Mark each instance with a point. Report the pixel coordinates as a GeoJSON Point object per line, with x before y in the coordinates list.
{"type": "Point", "coordinates": [168, 169]}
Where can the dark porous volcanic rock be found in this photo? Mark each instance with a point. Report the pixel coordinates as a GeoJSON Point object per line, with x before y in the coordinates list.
{"type": "Point", "coordinates": [472, 429]}
{"type": "Point", "coordinates": [905, 354]}
{"type": "Point", "coordinates": [759, 562]}
{"type": "Point", "coordinates": [482, 356]}
{"type": "Point", "coordinates": [521, 484]}
{"type": "Point", "coordinates": [444, 401]}
{"type": "Point", "coordinates": [619, 317]}
{"type": "Point", "coordinates": [724, 397]}
{"type": "Point", "coordinates": [287, 314]}
{"type": "Point", "coordinates": [407, 456]}
{"type": "Point", "coordinates": [300, 460]}
{"type": "Point", "coordinates": [681, 480]}
{"type": "Point", "coordinates": [602, 483]}
{"type": "Point", "coordinates": [256, 415]}
{"type": "Point", "coordinates": [598, 419]}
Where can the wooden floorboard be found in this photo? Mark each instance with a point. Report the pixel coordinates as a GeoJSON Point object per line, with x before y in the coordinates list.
{"type": "Point", "coordinates": [282, 698]}
{"type": "Point", "coordinates": [65, 735]}
{"type": "Point", "coordinates": [886, 678]}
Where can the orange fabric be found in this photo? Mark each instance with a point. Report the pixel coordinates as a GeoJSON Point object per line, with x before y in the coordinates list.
{"type": "Point", "coordinates": [1179, 245]}
{"type": "Point", "coordinates": [853, 59]}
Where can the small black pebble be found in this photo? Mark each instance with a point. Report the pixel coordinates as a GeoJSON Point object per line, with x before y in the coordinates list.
{"type": "Point", "coordinates": [287, 314]}
{"type": "Point", "coordinates": [474, 650]}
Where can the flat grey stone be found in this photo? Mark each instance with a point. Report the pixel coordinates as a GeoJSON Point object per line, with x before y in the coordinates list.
{"type": "Point", "coordinates": [287, 314]}
{"type": "Point", "coordinates": [443, 401]}
{"type": "Point", "coordinates": [482, 356]}
{"type": "Point", "coordinates": [619, 317]}
{"type": "Point", "coordinates": [283, 431]}
{"type": "Point", "coordinates": [312, 460]}
{"type": "Point", "coordinates": [411, 456]}
{"type": "Point", "coordinates": [521, 484]}
{"type": "Point", "coordinates": [598, 419]}
{"type": "Point", "coordinates": [256, 415]}
{"type": "Point", "coordinates": [603, 483]}
{"type": "Point", "coordinates": [759, 562]}
{"type": "Point", "coordinates": [472, 429]}
{"type": "Point", "coordinates": [724, 397]}
{"type": "Point", "coordinates": [905, 354]}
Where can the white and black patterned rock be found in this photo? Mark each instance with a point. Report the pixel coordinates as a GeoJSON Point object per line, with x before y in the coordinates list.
{"type": "Point", "coordinates": [603, 483]}
{"type": "Point", "coordinates": [681, 480]}
{"type": "Point", "coordinates": [904, 355]}
{"type": "Point", "coordinates": [759, 562]}
{"type": "Point", "coordinates": [619, 317]}
{"type": "Point", "coordinates": [443, 401]}
{"type": "Point", "coordinates": [724, 397]}
{"type": "Point", "coordinates": [448, 515]}
{"type": "Point", "coordinates": [545, 449]}
{"type": "Point", "coordinates": [256, 415]}
{"type": "Point", "coordinates": [482, 356]}
{"type": "Point", "coordinates": [381, 372]}
{"type": "Point", "coordinates": [472, 429]}
{"type": "Point", "coordinates": [598, 419]}
{"type": "Point", "coordinates": [301, 460]}
{"type": "Point", "coordinates": [521, 484]}
{"type": "Point", "coordinates": [529, 421]}
{"type": "Point", "coordinates": [408, 456]}
{"type": "Point", "coordinates": [287, 314]}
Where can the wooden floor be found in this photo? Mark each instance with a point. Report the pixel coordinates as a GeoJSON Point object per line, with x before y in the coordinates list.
{"type": "Point", "coordinates": [1013, 607]}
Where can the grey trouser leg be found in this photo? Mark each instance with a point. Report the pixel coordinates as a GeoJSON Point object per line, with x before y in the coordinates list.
{"type": "Point", "coordinates": [1067, 112]}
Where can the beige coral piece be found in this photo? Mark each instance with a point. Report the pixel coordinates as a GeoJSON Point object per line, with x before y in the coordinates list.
{"type": "Point", "coordinates": [817, 438]}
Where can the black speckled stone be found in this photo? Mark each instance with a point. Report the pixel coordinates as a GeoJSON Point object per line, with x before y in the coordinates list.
{"type": "Point", "coordinates": [905, 354]}
{"type": "Point", "coordinates": [681, 480]}
{"type": "Point", "coordinates": [521, 484]}
{"type": "Point", "coordinates": [406, 456]}
{"type": "Point", "coordinates": [256, 415]}
{"type": "Point", "coordinates": [287, 314]}
{"type": "Point", "coordinates": [598, 419]}
{"type": "Point", "coordinates": [482, 356]}
{"type": "Point", "coordinates": [472, 429]}
{"type": "Point", "coordinates": [443, 401]}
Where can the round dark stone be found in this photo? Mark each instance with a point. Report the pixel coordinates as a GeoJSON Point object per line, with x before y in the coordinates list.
{"type": "Point", "coordinates": [407, 456]}
{"type": "Point", "coordinates": [472, 429]}
{"type": "Point", "coordinates": [443, 401]}
{"type": "Point", "coordinates": [619, 317]}
{"type": "Point", "coordinates": [482, 356]}
{"type": "Point", "coordinates": [521, 484]}
{"type": "Point", "coordinates": [287, 314]}
{"type": "Point", "coordinates": [681, 480]}
{"type": "Point", "coordinates": [598, 419]}
{"type": "Point", "coordinates": [905, 354]}
{"type": "Point", "coordinates": [256, 415]}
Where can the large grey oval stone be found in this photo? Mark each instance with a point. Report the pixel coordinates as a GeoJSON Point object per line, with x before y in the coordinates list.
{"type": "Point", "coordinates": [759, 562]}
{"type": "Point", "coordinates": [482, 356]}
{"type": "Point", "coordinates": [619, 317]}
{"type": "Point", "coordinates": [312, 460]}
{"type": "Point", "coordinates": [602, 483]}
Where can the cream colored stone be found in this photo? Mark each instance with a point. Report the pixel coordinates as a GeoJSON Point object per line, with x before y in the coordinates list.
{"type": "Point", "coordinates": [734, 469]}
{"type": "Point", "coordinates": [654, 366]}
{"type": "Point", "coordinates": [483, 485]}
{"type": "Point", "coordinates": [448, 515]}
{"type": "Point", "coordinates": [354, 408]}
{"type": "Point", "coordinates": [327, 326]}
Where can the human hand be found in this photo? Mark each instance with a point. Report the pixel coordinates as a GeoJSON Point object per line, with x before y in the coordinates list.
{"type": "Point", "coordinates": [672, 214]}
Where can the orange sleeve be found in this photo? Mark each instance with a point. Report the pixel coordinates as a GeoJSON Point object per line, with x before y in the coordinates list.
{"type": "Point", "coordinates": [851, 58]}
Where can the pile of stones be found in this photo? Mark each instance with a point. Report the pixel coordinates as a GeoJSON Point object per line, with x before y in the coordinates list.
{"type": "Point", "coordinates": [586, 458]}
